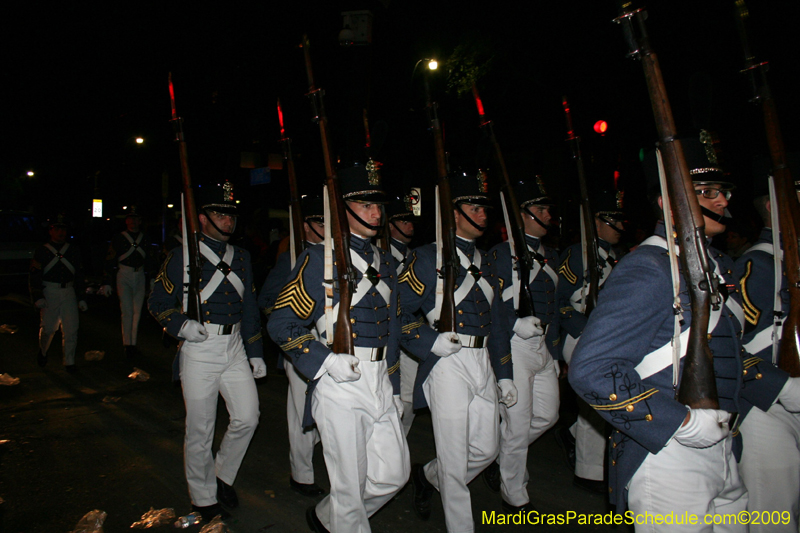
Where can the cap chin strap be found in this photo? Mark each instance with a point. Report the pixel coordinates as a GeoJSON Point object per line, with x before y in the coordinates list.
{"type": "Point", "coordinates": [376, 227]}
{"type": "Point", "coordinates": [723, 219]}
{"type": "Point", "coordinates": [400, 231]}
{"type": "Point", "coordinates": [548, 227]}
{"type": "Point", "coordinates": [474, 224]}
{"type": "Point", "coordinates": [607, 221]}
{"type": "Point", "coordinates": [211, 221]}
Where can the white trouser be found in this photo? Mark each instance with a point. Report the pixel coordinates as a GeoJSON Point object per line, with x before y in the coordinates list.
{"type": "Point", "coordinates": [301, 441]}
{"type": "Point", "coordinates": [364, 447]}
{"type": "Point", "coordinates": [61, 310]}
{"type": "Point", "coordinates": [679, 480]}
{"type": "Point", "coordinates": [216, 366]}
{"type": "Point", "coordinates": [770, 465]}
{"type": "Point", "coordinates": [408, 375]}
{"type": "Point", "coordinates": [535, 412]}
{"type": "Point", "coordinates": [462, 393]}
{"type": "Point", "coordinates": [130, 288]}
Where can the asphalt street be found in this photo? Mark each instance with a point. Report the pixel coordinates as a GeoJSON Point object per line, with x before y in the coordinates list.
{"type": "Point", "coordinates": [97, 439]}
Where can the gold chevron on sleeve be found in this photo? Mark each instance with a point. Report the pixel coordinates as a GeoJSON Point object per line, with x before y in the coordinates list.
{"type": "Point", "coordinates": [751, 361]}
{"type": "Point", "coordinates": [567, 272]}
{"type": "Point", "coordinates": [413, 325]}
{"type": "Point", "coordinates": [162, 276]}
{"type": "Point", "coordinates": [751, 312]}
{"type": "Point", "coordinates": [254, 338]}
{"type": "Point", "coordinates": [165, 314]}
{"type": "Point", "coordinates": [294, 295]}
{"type": "Point", "coordinates": [408, 276]}
{"type": "Point", "coordinates": [622, 405]}
{"type": "Point", "coordinates": [394, 368]}
{"type": "Point", "coordinates": [291, 345]}
{"type": "Point", "coordinates": [505, 359]}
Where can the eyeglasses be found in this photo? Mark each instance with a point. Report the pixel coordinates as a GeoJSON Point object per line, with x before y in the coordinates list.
{"type": "Point", "coordinates": [713, 193]}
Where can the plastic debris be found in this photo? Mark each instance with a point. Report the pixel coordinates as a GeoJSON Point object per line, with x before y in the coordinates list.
{"type": "Point", "coordinates": [216, 526]}
{"type": "Point", "coordinates": [154, 518]}
{"type": "Point", "coordinates": [5, 379]}
{"type": "Point", "coordinates": [111, 399]}
{"type": "Point", "coordinates": [8, 328]}
{"type": "Point", "coordinates": [92, 522]}
{"type": "Point", "coordinates": [188, 520]}
{"type": "Point", "coordinates": [139, 375]}
{"type": "Point", "coordinates": [94, 355]}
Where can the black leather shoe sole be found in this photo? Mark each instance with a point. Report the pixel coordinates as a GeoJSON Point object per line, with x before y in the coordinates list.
{"type": "Point", "coordinates": [313, 520]}
{"type": "Point", "coordinates": [591, 485]}
{"type": "Point", "coordinates": [226, 495]}
{"type": "Point", "coordinates": [310, 490]}
{"type": "Point", "coordinates": [423, 492]}
{"type": "Point", "coordinates": [209, 512]}
{"type": "Point", "coordinates": [492, 476]}
{"type": "Point", "coordinates": [507, 507]}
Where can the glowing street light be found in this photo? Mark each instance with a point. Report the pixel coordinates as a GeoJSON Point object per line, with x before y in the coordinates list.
{"type": "Point", "coordinates": [433, 64]}
{"type": "Point", "coordinates": [30, 173]}
{"type": "Point", "coordinates": [139, 140]}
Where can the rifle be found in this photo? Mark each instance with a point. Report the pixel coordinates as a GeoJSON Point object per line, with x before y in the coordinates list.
{"type": "Point", "coordinates": [298, 236]}
{"type": "Point", "coordinates": [788, 208]}
{"type": "Point", "coordinates": [698, 388]}
{"type": "Point", "coordinates": [523, 258]}
{"type": "Point", "coordinates": [194, 264]}
{"type": "Point", "coordinates": [343, 337]}
{"type": "Point", "coordinates": [589, 233]}
{"type": "Point", "coordinates": [450, 262]}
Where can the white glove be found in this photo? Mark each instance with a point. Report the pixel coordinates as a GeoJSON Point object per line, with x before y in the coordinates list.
{"type": "Point", "coordinates": [790, 395]}
{"type": "Point", "coordinates": [259, 367]}
{"type": "Point", "coordinates": [193, 331]}
{"type": "Point", "coordinates": [508, 392]}
{"type": "Point", "coordinates": [705, 428]}
{"type": "Point", "coordinates": [106, 290]}
{"type": "Point", "coordinates": [398, 404]}
{"type": "Point", "coordinates": [41, 303]}
{"type": "Point", "coordinates": [446, 344]}
{"type": "Point", "coordinates": [82, 306]}
{"type": "Point", "coordinates": [342, 367]}
{"type": "Point", "coordinates": [557, 367]}
{"type": "Point", "coordinates": [528, 327]}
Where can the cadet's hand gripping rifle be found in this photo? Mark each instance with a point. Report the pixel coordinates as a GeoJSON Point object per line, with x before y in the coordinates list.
{"type": "Point", "coordinates": [698, 388]}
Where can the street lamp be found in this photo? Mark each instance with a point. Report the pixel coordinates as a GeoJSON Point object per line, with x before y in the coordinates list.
{"type": "Point", "coordinates": [30, 173]}
{"type": "Point", "coordinates": [139, 140]}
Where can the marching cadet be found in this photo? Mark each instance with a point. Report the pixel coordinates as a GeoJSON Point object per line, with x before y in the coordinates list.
{"type": "Point", "coordinates": [56, 284]}
{"type": "Point", "coordinates": [129, 261]}
{"type": "Point", "coordinates": [401, 231]}
{"type": "Point", "coordinates": [770, 463]}
{"type": "Point", "coordinates": [356, 407]}
{"type": "Point", "coordinates": [586, 439]}
{"type": "Point", "coordinates": [213, 356]}
{"type": "Point", "coordinates": [455, 377]}
{"type": "Point", "coordinates": [666, 458]}
{"type": "Point", "coordinates": [535, 371]}
{"type": "Point", "coordinates": [301, 439]}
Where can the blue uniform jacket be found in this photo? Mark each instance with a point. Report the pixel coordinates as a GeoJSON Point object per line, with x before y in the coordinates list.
{"type": "Point", "coordinates": [633, 318]}
{"type": "Point", "coordinates": [301, 303]}
{"type": "Point", "coordinates": [225, 306]}
{"type": "Point", "coordinates": [59, 273]}
{"type": "Point", "coordinates": [119, 246]}
{"type": "Point", "coordinates": [543, 290]}
{"type": "Point", "coordinates": [474, 314]}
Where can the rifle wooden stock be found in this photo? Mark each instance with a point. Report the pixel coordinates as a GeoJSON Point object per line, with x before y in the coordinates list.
{"type": "Point", "coordinates": [524, 261]}
{"type": "Point", "coordinates": [298, 234]}
{"type": "Point", "coordinates": [193, 310]}
{"type": "Point", "coordinates": [698, 387]}
{"type": "Point", "coordinates": [788, 207]}
{"type": "Point", "coordinates": [340, 228]}
{"type": "Point", "coordinates": [450, 262]}
{"type": "Point", "coordinates": [587, 214]}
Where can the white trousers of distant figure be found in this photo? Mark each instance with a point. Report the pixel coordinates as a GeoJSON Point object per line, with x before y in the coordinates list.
{"type": "Point", "coordinates": [130, 289]}
{"type": "Point", "coordinates": [301, 440]}
{"type": "Point", "coordinates": [217, 366]}
{"type": "Point", "coordinates": [61, 310]}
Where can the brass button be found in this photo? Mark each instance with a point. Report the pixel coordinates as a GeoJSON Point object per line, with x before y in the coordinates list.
{"type": "Point", "coordinates": [759, 376]}
{"type": "Point", "coordinates": [613, 444]}
{"type": "Point", "coordinates": [709, 336]}
{"type": "Point", "coordinates": [352, 320]}
{"type": "Point", "coordinates": [460, 311]}
{"type": "Point", "coordinates": [461, 324]}
{"type": "Point", "coordinates": [613, 463]}
{"type": "Point", "coordinates": [355, 335]}
{"type": "Point", "coordinates": [375, 309]}
{"type": "Point", "coordinates": [612, 397]}
{"type": "Point", "coordinates": [629, 408]}
{"type": "Point", "coordinates": [649, 418]}
{"type": "Point", "coordinates": [205, 302]}
{"type": "Point", "coordinates": [416, 336]}
{"type": "Point", "coordinates": [208, 312]}
{"type": "Point", "coordinates": [744, 373]}
{"type": "Point", "coordinates": [289, 338]}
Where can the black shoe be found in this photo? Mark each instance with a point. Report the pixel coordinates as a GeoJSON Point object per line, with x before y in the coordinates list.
{"type": "Point", "coordinates": [71, 368]}
{"type": "Point", "coordinates": [492, 476]}
{"type": "Point", "coordinates": [226, 495]}
{"type": "Point", "coordinates": [306, 489]}
{"type": "Point", "coordinates": [313, 520]}
{"type": "Point", "coordinates": [41, 359]}
{"type": "Point", "coordinates": [567, 442]}
{"type": "Point", "coordinates": [591, 485]}
{"type": "Point", "coordinates": [423, 492]}
{"type": "Point", "coordinates": [209, 512]}
{"type": "Point", "coordinates": [525, 508]}
{"type": "Point", "coordinates": [132, 352]}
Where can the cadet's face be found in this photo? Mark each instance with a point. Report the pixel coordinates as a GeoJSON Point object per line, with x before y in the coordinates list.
{"type": "Point", "coordinates": [133, 224]}
{"type": "Point", "coordinates": [478, 215]}
{"type": "Point", "coordinates": [716, 205]}
{"type": "Point", "coordinates": [226, 223]}
{"type": "Point", "coordinates": [606, 233]}
{"type": "Point", "coordinates": [58, 234]}
{"type": "Point", "coordinates": [404, 226]}
{"type": "Point", "coordinates": [316, 226]}
{"type": "Point", "coordinates": [532, 227]}
{"type": "Point", "coordinates": [369, 213]}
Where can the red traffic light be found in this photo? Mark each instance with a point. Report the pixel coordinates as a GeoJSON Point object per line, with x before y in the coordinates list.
{"type": "Point", "coordinates": [601, 126]}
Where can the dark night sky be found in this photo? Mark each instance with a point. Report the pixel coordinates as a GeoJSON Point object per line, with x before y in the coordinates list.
{"type": "Point", "coordinates": [79, 82]}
